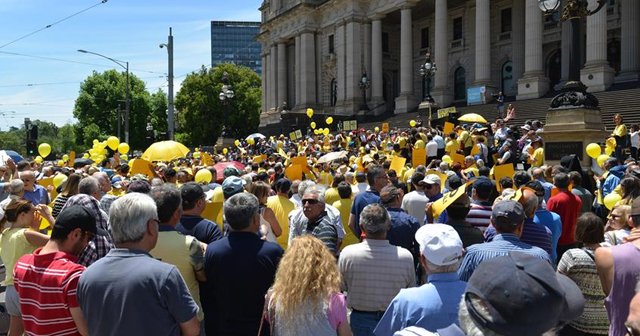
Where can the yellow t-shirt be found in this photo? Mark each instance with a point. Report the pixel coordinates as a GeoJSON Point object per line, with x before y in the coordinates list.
{"type": "Point", "coordinates": [419, 144]}
{"type": "Point", "coordinates": [452, 146]}
{"type": "Point", "coordinates": [331, 195]}
{"type": "Point", "coordinates": [538, 157]}
{"type": "Point", "coordinates": [344, 206]}
{"type": "Point", "coordinates": [465, 139]}
{"type": "Point", "coordinates": [620, 130]}
{"type": "Point", "coordinates": [325, 178]}
{"type": "Point", "coordinates": [281, 207]}
{"type": "Point", "coordinates": [13, 245]}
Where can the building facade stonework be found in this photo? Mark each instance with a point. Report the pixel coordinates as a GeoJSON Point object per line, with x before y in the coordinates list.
{"type": "Point", "coordinates": [314, 52]}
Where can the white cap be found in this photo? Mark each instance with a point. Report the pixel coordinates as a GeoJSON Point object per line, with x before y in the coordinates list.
{"type": "Point", "coordinates": [414, 331]}
{"type": "Point", "coordinates": [440, 244]}
{"type": "Point", "coordinates": [432, 179]}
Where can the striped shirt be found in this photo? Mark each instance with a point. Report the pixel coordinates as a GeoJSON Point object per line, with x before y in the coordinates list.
{"type": "Point", "coordinates": [46, 284]}
{"type": "Point", "coordinates": [323, 228]}
{"type": "Point", "coordinates": [501, 245]}
{"type": "Point", "coordinates": [480, 215]}
{"type": "Point", "coordinates": [532, 233]}
{"type": "Point", "coordinates": [373, 272]}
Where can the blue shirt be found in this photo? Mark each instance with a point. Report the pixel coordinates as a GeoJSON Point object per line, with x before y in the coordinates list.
{"type": "Point", "coordinates": [501, 245]}
{"type": "Point", "coordinates": [39, 195]}
{"type": "Point", "coordinates": [203, 229]}
{"type": "Point", "coordinates": [361, 201]}
{"type": "Point", "coordinates": [552, 221]}
{"type": "Point", "coordinates": [610, 183]}
{"type": "Point", "coordinates": [240, 268]}
{"type": "Point", "coordinates": [403, 231]}
{"type": "Point", "coordinates": [532, 233]}
{"type": "Point", "coordinates": [431, 306]}
{"type": "Point", "coordinates": [547, 188]}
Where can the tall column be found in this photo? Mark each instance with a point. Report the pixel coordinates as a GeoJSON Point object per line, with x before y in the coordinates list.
{"type": "Point", "coordinates": [565, 51]}
{"type": "Point", "coordinates": [340, 67]}
{"type": "Point", "coordinates": [483, 43]}
{"type": "Point", "coordinates": [597, 75]}
{"type": "Point", "coordinates": [376, 62]}
{"type": "Point", "coordinates": [273, 99]}
{"type": "Point", "coordinates": [366, 53]}
{"type": "Point", "coordinates": [297, 74]}
{"type": "Point", "coordinates": [441, 93]}
{"type": "Point", "coordinates": [533, 83]}
{"type": "Point", "coordinates": [517, 40]}
{"type": "Point", "coordinates": [354, 66]}
{"type": "Point", "coordinates": [630, 32]}
{"type": "Point", "coordinates": [282, 74]}
{"type": "Point", "coordinates": [308, 69]}
{"type": "Point", "coordinates": [264, 80]}
{"type": "Point", "coordinates": [406, 101]}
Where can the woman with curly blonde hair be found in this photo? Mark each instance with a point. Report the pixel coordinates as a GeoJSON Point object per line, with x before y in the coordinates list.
{"type": "Point", "coordinates": [305, 298]}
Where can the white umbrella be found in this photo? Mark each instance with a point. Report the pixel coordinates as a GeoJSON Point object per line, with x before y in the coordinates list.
{"type": "Point", "coordinates": [332, 156]}
{"type": "Point", "coordinates": [256, 135]}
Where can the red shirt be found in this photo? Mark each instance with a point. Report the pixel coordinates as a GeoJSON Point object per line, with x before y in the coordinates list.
{"type": "Point", "coordinates": [568, 206]}
{"type": "Point", "coordinates": [47, 280]}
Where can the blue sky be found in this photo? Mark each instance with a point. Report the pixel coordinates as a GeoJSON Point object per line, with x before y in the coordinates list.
{"type": "Point", "coordinates": [127, 30]}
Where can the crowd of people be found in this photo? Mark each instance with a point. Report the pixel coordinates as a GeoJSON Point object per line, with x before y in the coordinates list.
{"type": "Point", "coordinates": [440, 244]}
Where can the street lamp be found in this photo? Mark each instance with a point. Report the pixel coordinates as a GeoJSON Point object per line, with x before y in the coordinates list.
{"type": "Point", "coordinates": [226, 95]}
{"type": "Point", "coordinates": [574, 93]}
{"type": "Point", "coordinates": [364, 85]}
{"type": "Point", "coordinates": [170, 112]}
{"type": "Point", "coordinates": [427, 70]}
{"type": "Point", "coordinates": [125, 66]}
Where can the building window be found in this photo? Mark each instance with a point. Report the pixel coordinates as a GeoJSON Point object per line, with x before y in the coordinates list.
{"type": "Point", "coordinates": [505, 20]}
{"type": "Point", "coordinates": [459, 84]}
{"type": "Point", "coordinates": [507, 78]}
{"type": "Point", "coordinates": [457, 28]}
{"type": "Point", "coordinates": [385, 42]}
{"type": "Point", "coordinates": [424, 38]}
{"type": "Point", "coordinates": [331, 44]}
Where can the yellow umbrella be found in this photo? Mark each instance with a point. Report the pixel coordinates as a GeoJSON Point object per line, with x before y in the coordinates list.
{"type": "Point", "coordinates": [473, 118]}
{"type": "Point", "coordinates": [165, 151]}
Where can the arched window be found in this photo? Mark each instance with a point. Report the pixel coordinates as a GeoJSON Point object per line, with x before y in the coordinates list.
{"type": "Point", "coordinates": [459, 84]}
{"type": "Point", "coordinates": [507, 79]}
{"type": "Point", "coordinates": [333, 98]}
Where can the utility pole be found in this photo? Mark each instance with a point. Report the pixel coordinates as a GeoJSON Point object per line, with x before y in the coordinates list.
{"type": "Point", "coordinates": [170, 111]}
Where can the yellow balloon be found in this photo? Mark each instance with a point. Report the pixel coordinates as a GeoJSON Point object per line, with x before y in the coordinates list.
{"type": "Point", "coordinates": [65, 158]}
{"type": "Point", "coordinates": [601, 159]}
{"type": "Point", "coordinates": [313, 125]}
{"type": "Point", "coordinates": [309, 112]}
{"type": "Point", "coordinates": [609, 150]}
{"type": "Point", "coordinates": [95, 158]}
{"type": "Point", "coordinates": [196, 155]}
{"type": "Point", "coordinates": [326, 131]}
{"type": "Point", "coordinates": [377, 129]}
{"type": "Point", "coordinates": [329, 120]}
{"type": "Point", "coordinates": [203, 176]}
{"type": "Point", "coordinates": [593, 150]}
{"type": "Point", "coordinates": [113, 142]}
{"type": "Point", "coordinates": [225, 151]}
{"type": "Point", "coordinates": [123, 148]}
{"type": "Point", "coordinates": [95, 142]}
{"type": "Point", "coordinates": [44, 149]}
{"type": "Point", "coordinates": [611, 142]}
{"type": "Point", "coordinates": [85, 155]}
{"type": "Point", "coordinates": [447, 159]}
{"type": "Point", "coordinates": [611, 200]}
{"type": "Point", "coordinates": [59, 179]}
{"type": "Point", "coordinates": [237, 143]}
{"type": "Point", "coordinates": [412, 123]}
{"type": "Point", "coordinates": [38, 159]}
{"type": "Point", "coordinates": [124, 157]}
{"type": "Point", "coordinates": [250, 141]}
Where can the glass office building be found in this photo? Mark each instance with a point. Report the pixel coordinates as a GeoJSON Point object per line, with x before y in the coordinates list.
{"type": "Point", "coordinates": [235, 42]}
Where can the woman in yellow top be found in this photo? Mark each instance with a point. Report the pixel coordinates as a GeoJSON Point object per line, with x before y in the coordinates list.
{"type": "Point", "coordinates": [536, 157]}
{"type": "Point", "coordinates": [620, 134]}
{"type": "Point", "coordinates": [15, 241]}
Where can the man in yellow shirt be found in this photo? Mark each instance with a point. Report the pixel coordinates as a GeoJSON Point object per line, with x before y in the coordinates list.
{"type": "Point", "coordinates": [344, 206]}
{"type": "Point", "coordinates": [452, 145]}
{"type": "Point", "coordinates": [282, 206]}
{"type": "Point", "coordinates": [465, 140]}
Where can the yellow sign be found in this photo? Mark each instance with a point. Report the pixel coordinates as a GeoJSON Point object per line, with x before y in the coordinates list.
{"type": "Point", "coordinates": [292, 136]}
{"type": "Point", "coordinates": [72, 158]}
{"type": "Point", "coordinates": [502, 171]}
{"type": "Point", "coordinates": [448, 128]}
{"type": "Point", "coordinates": [457, 158]}
{"type": "Point", "coordinates": [385, 127]}
{"type": "Point", "coordinates": [442, 176]}
{"type": "Point", "coordinates": [298, 134]}
{"type": "Point", "coordinates": [444, 112]}
{"type": "Point", "coordinates": [419, 157]}
{"type": "Point", "coordinates": [207, 160]}
{"type": "Point", "coordinates": [293, 172]}
{"type": "Point", "coordinates": [397, 164]}
{"type": "Point", "coordinates": [447, 199]}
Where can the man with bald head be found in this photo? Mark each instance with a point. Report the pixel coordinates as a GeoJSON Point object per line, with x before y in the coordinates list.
{"type": "Point", "coordinates": [105, 186]}
{"type": "Point", "coordinates": [34, 193]}
{"type": "Point", "coordinates": [538, 175]}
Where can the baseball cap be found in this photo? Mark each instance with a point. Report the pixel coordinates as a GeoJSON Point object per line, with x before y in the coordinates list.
{"type": "Point", "coordinates": [507, 212]}
{"type": "Point", "coordinates": [440, 244]}
{"type": "Point", "coordinates": [230, 171]}
{"type": "Point", "coordinates": [482, 184]}
{"type": "Point", "coordinates": [522, 294]}
{"type": "Point", "coordinates": [232, 185]}
{"type": "Point", "coordinates": [77, 216]}
{"type": "Point", "coordinates": [432, 179]}
{"type": "Point", "coordinates": [635, 207]}
{"type": "Point", "coordinates": [191, 192]}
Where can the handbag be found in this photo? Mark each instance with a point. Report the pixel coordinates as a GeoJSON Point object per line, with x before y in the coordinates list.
{"type": "Point", "coordinates": [266, 317]}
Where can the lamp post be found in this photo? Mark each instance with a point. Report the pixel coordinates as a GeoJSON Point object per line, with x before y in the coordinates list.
{"type": "Point", "coordinates": [574, 93]}
{"type": "Point", "coordinates": [226, 95]}
{"type": "Point", "coordinates": [170, 112]}
{"type": "Point", "coordinates": [364, 86]}
{"type": "Point", "coordinates": [427, 71]}
{"type": "Point", "coordinates": [125, 66]}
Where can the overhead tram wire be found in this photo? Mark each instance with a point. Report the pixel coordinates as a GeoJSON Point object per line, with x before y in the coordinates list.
{"type": "Point", "coordinates": [53, 24]}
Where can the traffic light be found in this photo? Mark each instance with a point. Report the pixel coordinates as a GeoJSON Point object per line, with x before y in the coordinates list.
{"type": "Point", "coordinates": [33, 132]}
{"type": "Point", "coordinates": [32, 147]}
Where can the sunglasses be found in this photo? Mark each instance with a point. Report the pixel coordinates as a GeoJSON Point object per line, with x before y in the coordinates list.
{"type": "Point", "coordinates": [310, 201]}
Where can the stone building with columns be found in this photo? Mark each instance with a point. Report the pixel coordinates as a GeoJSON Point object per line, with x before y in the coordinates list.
{"type": "Point", "coordinates": [315, 52]}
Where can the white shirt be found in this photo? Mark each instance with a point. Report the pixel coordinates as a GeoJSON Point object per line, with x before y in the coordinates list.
{"type": "Point", "coordinates": [501, 133]}
{"type": "Point", "coordinates": [360, 188]}
{"type": "Point", "coordinates": [414, 203]}
{"type": "Point", "coordinates": [432, 148]}
{"type": "Point", "coordinates": [635, 139]}
{"type": "Point", "coordinates": [297, 201]}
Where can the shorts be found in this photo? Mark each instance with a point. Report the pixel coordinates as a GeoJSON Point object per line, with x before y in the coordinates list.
{"type": "Point", "coordinates": [12, 301]}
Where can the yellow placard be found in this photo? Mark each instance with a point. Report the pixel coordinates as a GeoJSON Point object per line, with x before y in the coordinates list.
{"type": "Point", "coordinates": [397, 164]}
{"type": "Point", "coordinates": [385, 127]}
{"type": "Point", "coordinates": [501, 171]}
{"type": "Point", "coordinates": [448, 128]}
{"type": "Point", "coordinates": [443, 177]}
{"type": "Point", "coordinates": [475, 149]}
{"type": "Point", "coordinates": [46, 183]}
{"type": "Point", "coordinates": [419, 157]}
{"type": "Point", "coordinates": [457, 158]}
{"type": "Point", "coordinates": [257, 159]}
{"type": "Point", "coordinates": [292, 136]}
{"type": "Point", "coordinates": [444, 112]}
{"type": "Point", "coordinates": [293, 172]}
{"type": "Point", "coordinates": [438, 206]}
{"type": "Point", "coordinates": [207, 160]}
{"type": "Point", "coordinates": [72, 159]}
{"type": "Point", "coordinates": [299, 160]}
{"type": "Point", "coordinates": [141, 166]}
{"type": "Point", "coordinates": [299, 134]}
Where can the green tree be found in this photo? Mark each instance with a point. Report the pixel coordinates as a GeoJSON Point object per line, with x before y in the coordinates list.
{"type": "Point", "coordinates": [202, 115]}
{"type": "Point", "coordinates": [102, 96]}
{"type": "Point", "coordinates": [159, 111]}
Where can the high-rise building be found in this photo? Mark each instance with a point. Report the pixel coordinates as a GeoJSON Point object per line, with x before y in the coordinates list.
{"type": "Point", "coordinates": [235, 42]}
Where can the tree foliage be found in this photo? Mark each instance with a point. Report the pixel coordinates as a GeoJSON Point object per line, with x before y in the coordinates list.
{"type": "Point", "coordinates": [61, 139]}
{"type": "Point", "coordinates": [202, 115]}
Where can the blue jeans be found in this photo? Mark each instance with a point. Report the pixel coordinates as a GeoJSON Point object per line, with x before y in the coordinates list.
{"type": "Point", "coordinates": [363, 324]}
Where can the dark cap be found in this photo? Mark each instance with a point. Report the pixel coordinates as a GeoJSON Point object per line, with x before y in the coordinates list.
{"type": "Point", "coordinates": [508, 212]}
{"type": "Point", "coordinates": [482, 184]}
{"type": "Point", "coordinates": [77, 216]}
{"type": "Point", "coordinates": [230, 171]}
{"type": "Point", "coordinates": [635, 207]}
{"type": "Point", "coordinates": [191, 192]}
{"type": "Point", "coordinates": [232, 185]}
{"type": "Point", "coordinates": [522, 295]}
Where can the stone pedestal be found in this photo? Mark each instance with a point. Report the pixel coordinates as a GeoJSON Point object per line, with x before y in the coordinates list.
{"type": "Point", "coordinates": [425, 108]}
{"type": "Point", "coordinates": [568, 131]}
{"type": "Point", "coordinates": [405, 103]}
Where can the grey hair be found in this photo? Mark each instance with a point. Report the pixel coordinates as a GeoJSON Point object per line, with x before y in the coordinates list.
{"type": "Point", "coordinates": [317, 190]}
{"type": "Point", "coordinates": [375, 219]}
{"type": "Point", "coordinates": [16, 186]}
{"type": "Point", "coordinates": [469, 326]}
{"type": "Point", "coordinates": [239, 209]}
{"type": "Point", "coordinates": [156, 182]}
{"type": "Point", "coordinates": [129, 215]}
{"type": "Point", "coordinates": [88, 186]}
{"type": "Point", "coordinates": [433, 268]}
{"type": "Point", "coordinates": [303, 186]}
